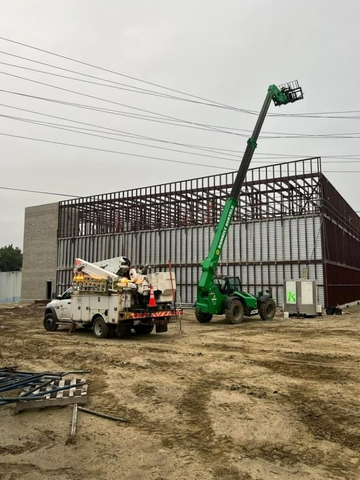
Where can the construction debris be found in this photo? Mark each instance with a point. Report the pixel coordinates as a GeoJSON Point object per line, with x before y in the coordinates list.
{"type": "Point", "coordinates": [74, 421]}
{"type": "Point", "coordinates": [38, 390]}
{"type": "Point", "coordinates": [103, 415]}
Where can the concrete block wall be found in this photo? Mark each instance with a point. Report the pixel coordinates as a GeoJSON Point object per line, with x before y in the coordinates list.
{"type": "Point", "coordinates": [40, 251]}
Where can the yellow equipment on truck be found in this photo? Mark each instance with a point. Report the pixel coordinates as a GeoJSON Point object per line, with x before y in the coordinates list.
{"type": "Point", "coordinates": [112, 298]}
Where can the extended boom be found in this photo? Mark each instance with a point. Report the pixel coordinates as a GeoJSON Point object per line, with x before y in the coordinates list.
{"type": "Point", "coordinates": [215, 294]}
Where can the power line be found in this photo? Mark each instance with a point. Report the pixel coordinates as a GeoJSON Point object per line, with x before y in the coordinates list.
{"type": "Point", "coordinates": [121, 86]}
{"type": "Point", "coordinates": [168, 117]}
{"type": "Point", "coordinates": [111, 151]}
{"type": "Point", "coordinates": [214, 149]}
{"type": "Point", "coordinates": [118, 112]}
{"type": "Point", "coordinates": [314, 136]}
{"type": "Point", "coordinates": [91, 107]}
{"type": "Point", "coordinates": [39, 191]}
{"type": "Point", "coordinates": [212, 102]}
{"type": "Point", "coordinates": [158, 116]}
{"type": "Point", "coordinates": [223, 151]}
{"type": "Point", "coordinates": [336, 115]}
{"type": "Point", "coordinates": [92, 134]}
{"type": "Point", "coordinates": [116, 85]}
{"type": "Point", "coordinates": [131, 88]}
{"type": "Point", "coordinates": [131, 134]}
{"type": "Point", "coordinates": [196, 126]}
{"type": "Point", "coordinates": [124, 75]}
{"type": "Point", "coordinates": [139, 156]}
{"type": "Point", "coordinates": [273, 135]}
{"type": "Point", "coordinates": [76, 79]}
{"type": "Point", "coordinates": [201, 147]}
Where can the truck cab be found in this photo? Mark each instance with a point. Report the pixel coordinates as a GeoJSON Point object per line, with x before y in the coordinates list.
{"type": "Point", "coordinates": [61, 306]}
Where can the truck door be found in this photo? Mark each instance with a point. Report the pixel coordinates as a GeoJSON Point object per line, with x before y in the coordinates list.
{"type": "Point", "coordinates": [80, 309]}
{"type": "Point", "coordinates": [64, 312]}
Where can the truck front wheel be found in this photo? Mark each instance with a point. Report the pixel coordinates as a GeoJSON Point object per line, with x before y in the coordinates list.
{"type": "Point", "coordinates": [203, 317]}
{"type": "Point", "coordinates": [235, 312]}
{"type": "Point", "coordinates": [50, 324]}
{"type": "Point", "coordinates": [100, 328]}
{"type": "Point", "coordinates": [267, 309]}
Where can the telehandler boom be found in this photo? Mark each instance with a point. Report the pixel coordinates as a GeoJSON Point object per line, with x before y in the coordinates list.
{"type": "Point", "coordinates": [216, 294]}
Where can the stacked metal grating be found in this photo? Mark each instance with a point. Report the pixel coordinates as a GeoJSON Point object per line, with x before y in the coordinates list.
{"type": "Point", "coordinates": [37, 389]}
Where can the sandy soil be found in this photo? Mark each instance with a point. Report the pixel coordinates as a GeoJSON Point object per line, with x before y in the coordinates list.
{"type": "Point", "coordinates": [275, 400]}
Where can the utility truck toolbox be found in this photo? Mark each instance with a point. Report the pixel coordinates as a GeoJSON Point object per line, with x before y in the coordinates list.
{"type": "Point", "coordinates": [112, 298]}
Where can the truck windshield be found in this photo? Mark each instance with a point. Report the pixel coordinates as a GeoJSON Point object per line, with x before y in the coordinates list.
{"type": "Point", "coordinates": [67, 294]}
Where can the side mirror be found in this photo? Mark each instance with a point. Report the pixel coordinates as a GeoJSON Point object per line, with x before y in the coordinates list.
{"type": "Point", "coordinates": [58, 297]}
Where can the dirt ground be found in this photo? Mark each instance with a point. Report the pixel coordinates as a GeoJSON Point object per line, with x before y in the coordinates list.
{"type": "Point", "coordinates": [260, 400]}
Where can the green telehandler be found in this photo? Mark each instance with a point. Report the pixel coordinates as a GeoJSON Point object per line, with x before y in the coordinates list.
{"type": "Point", "coordinates": [220, 294]}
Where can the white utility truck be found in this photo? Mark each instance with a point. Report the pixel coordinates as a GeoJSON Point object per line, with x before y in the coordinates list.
{"type": "Point", "coordinates": [111, 298]}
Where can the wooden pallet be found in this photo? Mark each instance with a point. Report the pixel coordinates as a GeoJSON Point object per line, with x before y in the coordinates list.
{"type": "Point", "coordinates": [61, 398]}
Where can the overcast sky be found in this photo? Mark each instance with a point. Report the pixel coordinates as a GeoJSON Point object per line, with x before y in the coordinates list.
{"type": "Point", "coordinates": [228, 52]}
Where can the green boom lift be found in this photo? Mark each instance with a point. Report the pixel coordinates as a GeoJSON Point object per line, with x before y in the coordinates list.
{"type": "Point", "coordinates": [219, 294]}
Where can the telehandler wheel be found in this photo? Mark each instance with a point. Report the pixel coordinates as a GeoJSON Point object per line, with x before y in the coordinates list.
{"type": "Point", "coordinates": [235, 313]}
{"type": "Point", "coordinates": [267, 309]}
{"type": "Point", "coordinates": [50, 324]}
{"type": "Point", "coordinates": [143, 329]}
{"type": "Point", "coordinates": [203, 317]}
{"type": "Point", "coordinates": [101, 329]}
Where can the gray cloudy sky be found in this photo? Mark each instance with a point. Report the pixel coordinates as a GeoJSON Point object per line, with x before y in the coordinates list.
{"type": "Point", "coordinates": [228, 51]}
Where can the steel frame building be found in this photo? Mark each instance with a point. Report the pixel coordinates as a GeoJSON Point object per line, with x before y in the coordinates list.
{"type": "Point", "coordinates": [289, 219]}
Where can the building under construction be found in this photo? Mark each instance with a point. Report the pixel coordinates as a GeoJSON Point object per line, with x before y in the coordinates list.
{"type": "Point", "coordinates": [290, 222]}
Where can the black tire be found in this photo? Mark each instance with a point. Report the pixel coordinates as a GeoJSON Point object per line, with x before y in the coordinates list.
{"type": "Point", "coordinates": [143, 329]}
{"type": "Point", "coordinates": [267, 309]}
{"type": "Point", "coordinates": [203, 317]}
{"type": "Point", "coordinates": [101, 329]}
{"type": "Point", "coordinates": [235, 312]}
{"type": "Point", "coordinates": [50, 324]}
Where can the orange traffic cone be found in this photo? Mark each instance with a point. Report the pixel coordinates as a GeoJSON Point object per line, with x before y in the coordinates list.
{"type": "Point", "coordinates": [152, 302]}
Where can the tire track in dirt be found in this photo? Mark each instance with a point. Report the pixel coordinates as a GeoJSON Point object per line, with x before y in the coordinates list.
{"type": "Point", "coordinates": [185, 379]}
{"type": "Point", "coordinates": [327, 421]}
{"type": "Point", "coordinates": [192, 430]}
{"type": "Point", "coordinates": [305, 370]}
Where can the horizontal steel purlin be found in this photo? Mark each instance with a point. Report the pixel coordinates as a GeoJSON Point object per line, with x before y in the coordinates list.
{"type": "Point", "coordinates": [289, 188]}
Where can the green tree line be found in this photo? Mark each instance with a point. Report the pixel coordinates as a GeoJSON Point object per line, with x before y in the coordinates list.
{"type": "Point", "coordinates": [10, 259]}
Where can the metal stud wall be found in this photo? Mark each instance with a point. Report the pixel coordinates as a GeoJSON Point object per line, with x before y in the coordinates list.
{"type": "Point", "coordinates": [277, 232]}
{"type": "Point", "coordinates": [283, 253]}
